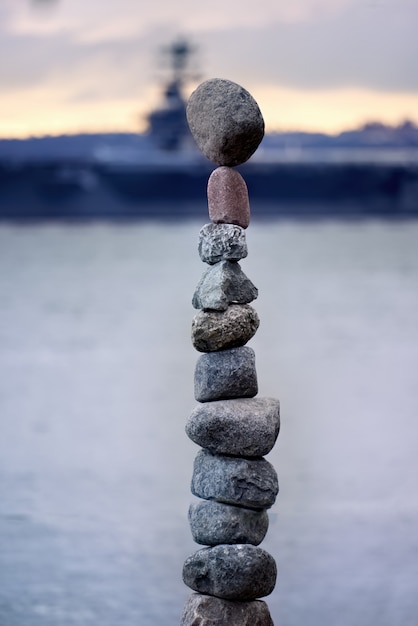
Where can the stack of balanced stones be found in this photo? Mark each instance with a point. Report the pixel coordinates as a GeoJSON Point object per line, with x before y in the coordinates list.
{"type": "Point", "coordinates": [234, 483]}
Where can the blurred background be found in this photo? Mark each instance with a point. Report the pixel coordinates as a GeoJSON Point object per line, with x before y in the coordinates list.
{"type": "Point", "coordinates": [102, 196]}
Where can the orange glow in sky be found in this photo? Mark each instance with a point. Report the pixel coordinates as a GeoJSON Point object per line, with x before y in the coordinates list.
{"type": "Point", "coordinates": [42, 113]}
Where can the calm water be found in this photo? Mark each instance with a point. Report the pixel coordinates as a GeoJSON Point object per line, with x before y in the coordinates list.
{"type": "Point", "coordinates": [96, 382]}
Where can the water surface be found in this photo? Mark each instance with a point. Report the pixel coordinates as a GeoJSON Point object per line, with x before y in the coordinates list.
{"type": "Point", "coordinates": [96, 382]}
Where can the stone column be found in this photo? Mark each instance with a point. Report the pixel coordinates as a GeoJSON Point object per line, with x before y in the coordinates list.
{"type": "Point", "coordinates": [235, 429]}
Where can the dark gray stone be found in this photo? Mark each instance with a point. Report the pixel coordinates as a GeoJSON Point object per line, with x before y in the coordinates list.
{"type": "Point", "coordinates": [242, 427]}
{"type": "Point", "coordinates": [213, 523]}
{"type": "Point", "coordinates": [223, 284]}
{"type": "Point", "coordinates": [225, 121]}
{"type": "Point", "coordinates": [202, 610]}
{"type": "Point", "coordinates": [222, 242]}
{"type": "Point", "coordinates": [251, 483]}
{"type": "Point", "coordinates": [226, 374]}
{"type": "Point", "coordinates": [219, 330]}
{"type": "Point", "coordinates": [233, 572]}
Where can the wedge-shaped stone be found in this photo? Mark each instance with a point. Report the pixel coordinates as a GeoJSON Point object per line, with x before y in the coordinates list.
{"type": "Point", "coordinates": [220, 330]}
{"type": "Point", "coordinates": [228, 201]}
{"type": "Point", "coordinates": [223, 284]}
{"type": "Point", "coordinates": [213, 523]}
{"type": "Point", "coordinates": [251, 483]}
{"type": "Point", "coordinates": [203, 610]}
{"type": "Point", "coordinates": [233, 572]}
{"type": "Point", "coordinates": [226, 374]}
{"type": "Point", "coordinates": [222, 242]}
{"type": "Point", "coordinates": [242, 427]}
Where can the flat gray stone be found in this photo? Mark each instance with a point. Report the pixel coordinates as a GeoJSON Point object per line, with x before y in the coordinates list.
{"type": "Point", "coordinates": [222, 242]}
{"type": "Point", "coordinates": [233, 572]}
{"type": "Point", "coordinates": [225, 121]}
{"type": "Point", "coordinates": [245, 427]}
{"type": "Point", "coordinates": [213, 523]}
{"type": "Point", "coordinates": [251, 483]}
{"type": "Point", "coordinates": [219, 330]}
{"type": "Point", "coordinates": [203, 610]}
{"type": "Point", "coordinates": [223, 284]}
{"type": "Point", "coordinates": [226, 374]}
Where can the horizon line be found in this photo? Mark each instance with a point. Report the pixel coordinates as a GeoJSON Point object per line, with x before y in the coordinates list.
{"type": "Point", "coordinates": [407, 122]}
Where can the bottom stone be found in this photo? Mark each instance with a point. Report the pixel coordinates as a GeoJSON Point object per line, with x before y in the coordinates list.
{"type": "Point", "coordinates": [201, 610]}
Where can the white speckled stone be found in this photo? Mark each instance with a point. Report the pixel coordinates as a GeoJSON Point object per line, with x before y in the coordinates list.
{"type": "Point", "coordinates": [233, 572]}
{"type": "Point", "coordinates": [222, 242]}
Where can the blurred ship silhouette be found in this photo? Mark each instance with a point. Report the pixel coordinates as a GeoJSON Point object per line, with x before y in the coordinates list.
{"type": "Point", "coordinates": [161, 173]}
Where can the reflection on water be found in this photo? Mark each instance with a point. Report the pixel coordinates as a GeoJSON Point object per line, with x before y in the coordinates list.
{"type": "Point", "coordinates": [96, 371]}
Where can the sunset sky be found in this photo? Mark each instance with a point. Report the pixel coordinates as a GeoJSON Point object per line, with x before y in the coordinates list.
{"type": "Point", "coordinates": [92, 65]}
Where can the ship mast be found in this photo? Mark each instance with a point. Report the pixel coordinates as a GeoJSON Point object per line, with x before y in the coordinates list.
{"type": "Point", "coordinates": [180, 53]}
{"type": "Point", "coordinates": [168, 126]}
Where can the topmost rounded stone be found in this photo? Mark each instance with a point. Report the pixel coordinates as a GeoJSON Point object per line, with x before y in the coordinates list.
{"type": "Point", "coordinates": [225, 121]}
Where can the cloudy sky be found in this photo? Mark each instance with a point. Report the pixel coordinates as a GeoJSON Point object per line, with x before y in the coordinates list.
{"type": "Point", "coordinates": [92, 65]}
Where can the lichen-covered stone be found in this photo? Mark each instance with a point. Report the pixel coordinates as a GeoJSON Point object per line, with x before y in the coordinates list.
{"type": "Point", "coordinates": [223, 284]}
{"type": "Point", "coordinates": [233, 572]}
{"type": "Point", "coordinates": [213, 523]}
{"type": "Point", "coordinates": [222, 242]}
{"type": "Point", "coordinates": [240, 427]}
{"type": "Point", "coordinates": [225, 121]}
{"type": "Point", "coordinates": [251, 483]}
{"type": "Point", "coordinates": [226, 374]}
{"type": "Point", "coordinates": [219, 330]}
{"type": "Point", "coordinates": [228, 201]}
{"type": "Point", "coordinates": [204, 610]}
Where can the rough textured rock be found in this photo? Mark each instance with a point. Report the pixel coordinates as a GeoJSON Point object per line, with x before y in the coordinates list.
{"type": "Point", "coordinates": [228, 201]}
{"type": "Point", "coordinates": [241, 427]}
{"type": "Point", "coordinates": [223, 284]}
{"type": "Point", "coordinates": [219, 330]}
{"type": "Point", "coordinates": [222, 242]}
{"type": "Point", "coordinates": [202, 610]}
{"type": "Point", "coordinates": [226, 374]}
{"type": "Point", "coordinates": [233, 572]}
{"type": "Point", "coordinates": [213, 523]}
{"type": "Point", "coordinates": [225, 121]}
{"type": "Point", "coordinates": [251, 483]}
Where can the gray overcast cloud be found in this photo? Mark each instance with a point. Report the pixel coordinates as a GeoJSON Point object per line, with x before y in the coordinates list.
{"type": "Point", "coordinates": [374, 45]}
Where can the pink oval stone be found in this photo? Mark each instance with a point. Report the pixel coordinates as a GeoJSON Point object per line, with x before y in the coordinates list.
{"type": "Point", "coordinates": [228, 201]}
